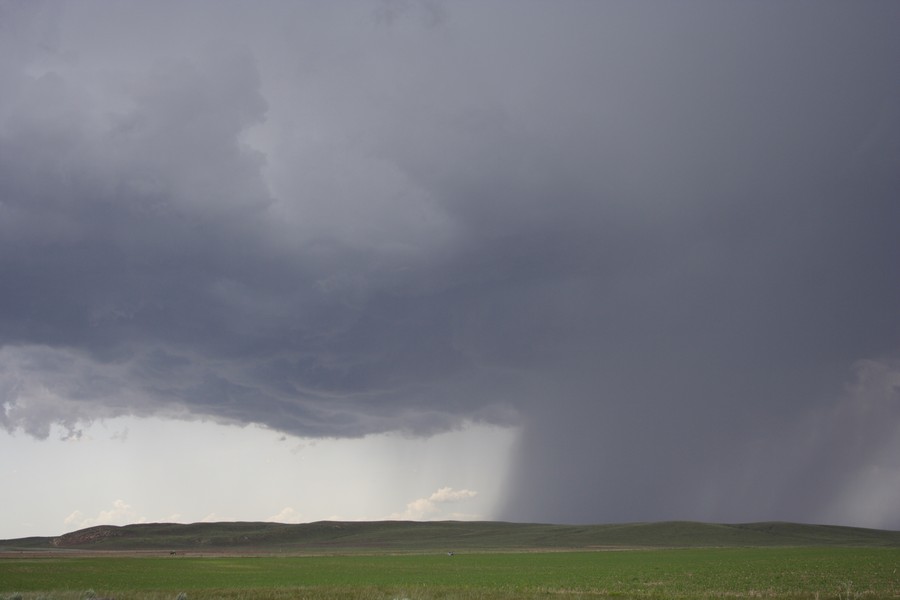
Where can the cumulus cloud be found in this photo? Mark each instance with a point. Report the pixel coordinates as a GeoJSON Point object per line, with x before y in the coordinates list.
{"type": "Point", "coordinates": [434, 506]}
{"type": "Point", "coordinates": [121, 513]}
{"type": "Point", "coordinates": [286, 515]}
{"type": "Point", "coordinates": [216, 518]}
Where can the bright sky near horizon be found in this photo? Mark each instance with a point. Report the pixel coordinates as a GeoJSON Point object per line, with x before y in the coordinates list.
{"type": "Point", "coordinates": [534, 261]}
{"type": "Point", "coordinates": [130, 470]}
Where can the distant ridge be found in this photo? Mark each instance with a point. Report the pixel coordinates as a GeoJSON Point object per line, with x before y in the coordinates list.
{"type": "Point", "coordinates": [414, 536]}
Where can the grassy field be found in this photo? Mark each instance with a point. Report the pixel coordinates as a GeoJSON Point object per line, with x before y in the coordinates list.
{"type": "Point", "coordinates": [411, 536]}
{"type": "Point", "coordinates": [789, 573]}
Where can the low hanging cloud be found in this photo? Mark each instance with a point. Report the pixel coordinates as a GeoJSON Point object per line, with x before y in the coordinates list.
{"type": "Point", "coordinates": [121, 513]}
{"type": "Point", "coordinates": [660, 244]}
{"type": "Point", "coordinates": [286, 515]}
{"type": "Point", "coordinates": [434, 507]}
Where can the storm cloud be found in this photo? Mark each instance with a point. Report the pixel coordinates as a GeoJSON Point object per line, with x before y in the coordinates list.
{"type": "Point", "coordinates": [659, 238]}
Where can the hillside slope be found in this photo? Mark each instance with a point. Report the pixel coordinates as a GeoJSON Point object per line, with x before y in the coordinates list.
{"type": "Point", "coordinates": [333, 536]}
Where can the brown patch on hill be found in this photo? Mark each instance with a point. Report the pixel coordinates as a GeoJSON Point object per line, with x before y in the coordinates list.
{"type": "Point", "coordinates": [87, 536]}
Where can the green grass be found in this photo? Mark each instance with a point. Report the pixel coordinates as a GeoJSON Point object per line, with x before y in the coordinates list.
{"type": "Point", "coordinates": [344, 537]}
{"type": "Point", "coordinates": [788, 573]}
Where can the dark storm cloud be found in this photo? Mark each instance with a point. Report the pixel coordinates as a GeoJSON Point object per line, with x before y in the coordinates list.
{"type": "Point", "coordinates": [660, 239]}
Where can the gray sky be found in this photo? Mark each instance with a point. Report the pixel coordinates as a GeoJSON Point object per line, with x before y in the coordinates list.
{"type": "Point", "coordinates": [647, 248]}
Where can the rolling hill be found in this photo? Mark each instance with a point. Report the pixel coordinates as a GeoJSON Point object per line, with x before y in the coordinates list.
{"type": "Point", "coordinates": [414, 536]}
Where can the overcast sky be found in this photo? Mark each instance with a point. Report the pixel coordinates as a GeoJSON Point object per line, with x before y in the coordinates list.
{"type": "Point", "coordinates": [535, 261]}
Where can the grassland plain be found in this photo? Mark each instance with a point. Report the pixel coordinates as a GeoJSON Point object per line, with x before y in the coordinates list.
{"type": "Point", "coordinates": [421, 537]}
{"type": "Point", "coordinates": [780, 573]}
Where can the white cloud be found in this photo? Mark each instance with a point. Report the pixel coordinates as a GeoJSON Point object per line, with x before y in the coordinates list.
{"type": "Point", "coordinates": [172, 518]}
{"type": "Point", "coordinates": [430, 508]}
{"type": "Point", "coordinates": [121, 513]}
{"type": "Point", "coordinates": [448, 494]}
{"type": "Point", "coordinates": [216, 518]}
{"type": "Point", "coordinates": [286, 515]}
